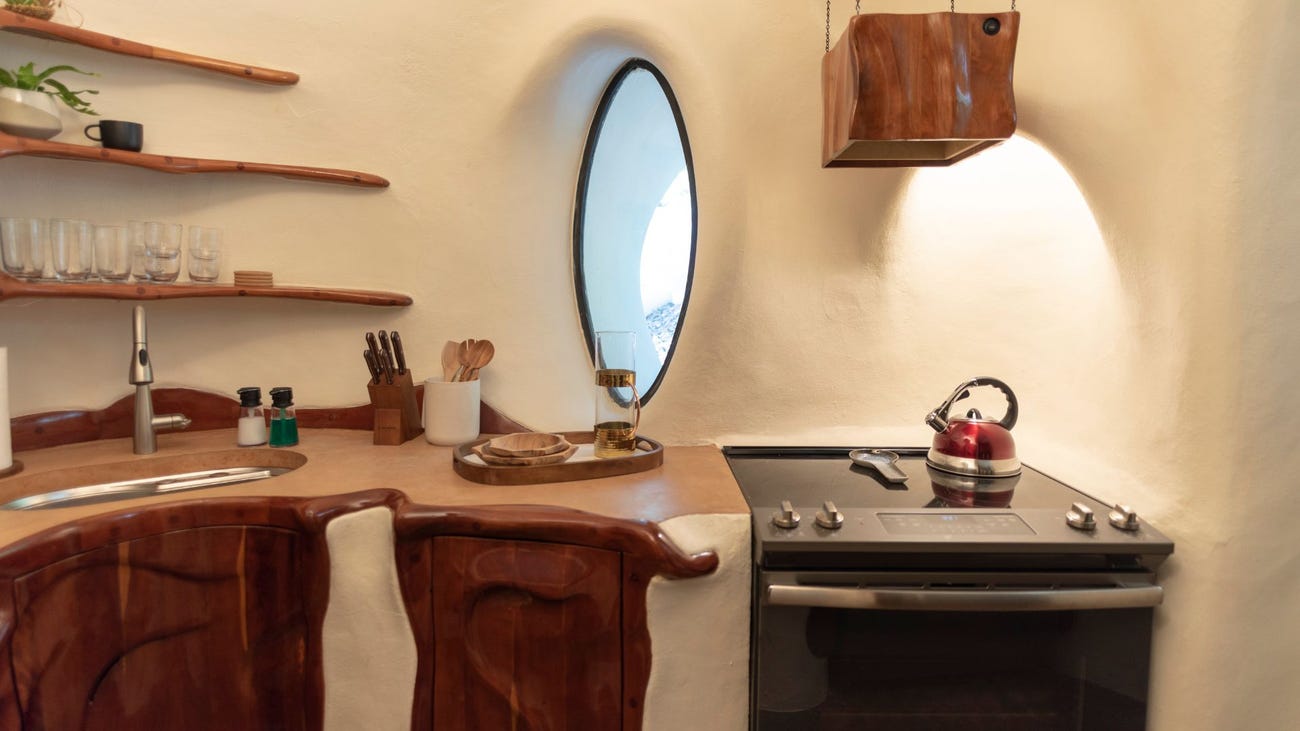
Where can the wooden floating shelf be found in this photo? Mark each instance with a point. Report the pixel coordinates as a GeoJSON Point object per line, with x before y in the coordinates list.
{"type": "Point", "coordinates": [13, 146]}
{"type": "Point", "coordinates": [11, 288]}
{"type": "Point", "coordinates": [22, 24]}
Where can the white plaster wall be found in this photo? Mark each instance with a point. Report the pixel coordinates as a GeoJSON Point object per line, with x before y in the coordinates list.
{"type": "Point", "coordinates": [1177, 120]}
{"type": "Point", "coordinates": [368, 650]}
{"type": "Point", "coordinates": [699, 631]}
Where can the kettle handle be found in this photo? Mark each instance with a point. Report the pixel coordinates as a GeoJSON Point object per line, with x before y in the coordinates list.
{"type": "Point", "coordinates": [938, 419]}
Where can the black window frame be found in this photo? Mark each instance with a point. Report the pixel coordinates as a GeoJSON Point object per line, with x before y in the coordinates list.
{"type": "Point", "coordinates": [580, 208]}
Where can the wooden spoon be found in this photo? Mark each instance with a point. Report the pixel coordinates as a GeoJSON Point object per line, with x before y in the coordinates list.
{"type": "Point", "coordinates": [463, 358]}
{"type": "Point", "coordinates": [450, 360]}
{"type": "Point", "coordinates": [480, 355]}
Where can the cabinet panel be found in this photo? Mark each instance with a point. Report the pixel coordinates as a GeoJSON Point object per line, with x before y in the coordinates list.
{"type": "Point", "coordinates": [526, 636]}
{"type": "Point", "coordinates": [197, 629]}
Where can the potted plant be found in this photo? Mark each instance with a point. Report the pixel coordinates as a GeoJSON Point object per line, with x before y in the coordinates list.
{"type": "Point", "coordinates": [27, 100]}
{"type": "Point", "coordinates": [43, 9]}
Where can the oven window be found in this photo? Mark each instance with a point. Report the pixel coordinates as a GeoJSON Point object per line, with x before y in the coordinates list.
{"type": "Point", "coordinates": [831, 669]}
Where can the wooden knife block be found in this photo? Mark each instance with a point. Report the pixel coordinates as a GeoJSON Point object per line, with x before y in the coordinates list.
{"type": "Point", "coordinates": [397, 417]}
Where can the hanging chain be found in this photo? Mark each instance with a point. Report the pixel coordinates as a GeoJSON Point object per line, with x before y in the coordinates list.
{"type": "Point", "coordinates": [857, 10]}
{"type": "Point", "coordinates": [828, 26]}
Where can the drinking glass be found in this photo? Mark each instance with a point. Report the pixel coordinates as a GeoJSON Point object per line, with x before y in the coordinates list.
{"type": "Point", "coordinates": [12, 254]}
{"type": "Point", "coordinates": [24, 241]}
{"type": "Point", "coordinates": [135, 233]}
{"type": "Point", "coordinates": [618, 405]}
{"type": "Point", "coordinates": [205, 254]}
{"type": "Point", "coordinates": [162, 251]}
{"type": "Point", "coordinates": [112, 253]}
{"type": "Point", "coordinates": [72, 244]}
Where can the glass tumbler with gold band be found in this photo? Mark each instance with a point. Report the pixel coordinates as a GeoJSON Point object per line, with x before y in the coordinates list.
{"type": "Point", "coordinates": [618, 404]}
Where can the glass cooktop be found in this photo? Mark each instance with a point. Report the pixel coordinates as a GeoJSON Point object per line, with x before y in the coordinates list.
{"type": "Point", "coordinates": [811, 475]}
{"type": "Point", "coordinates": [933, 519]}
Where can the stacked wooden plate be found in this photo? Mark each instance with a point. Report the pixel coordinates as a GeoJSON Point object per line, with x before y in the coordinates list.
{"type": "Point", "coordinates": [525, 449]}
{"type": "Point", "coordinates": [252, 278]}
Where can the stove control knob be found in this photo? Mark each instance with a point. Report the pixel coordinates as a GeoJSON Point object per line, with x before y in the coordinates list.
{"type": "Point", "coordinates": [787, 518]}
{"type": "Point", "coordinates": [1124, 518]}
{"type": "Point", "coordinates": [1080, 516]}
{"type": "Point", "coordinates": [829, 517]}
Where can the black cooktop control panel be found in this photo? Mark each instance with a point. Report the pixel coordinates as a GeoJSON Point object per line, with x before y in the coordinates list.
{"type": "Point", "coordinates": [949, 524]}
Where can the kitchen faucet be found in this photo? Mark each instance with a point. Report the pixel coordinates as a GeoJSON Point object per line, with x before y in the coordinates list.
{"type": "Point", "coordinates": [144, 438]}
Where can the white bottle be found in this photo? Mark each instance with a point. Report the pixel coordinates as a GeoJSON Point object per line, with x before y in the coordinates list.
{"type": "Point", "coordinates": [252, 422]}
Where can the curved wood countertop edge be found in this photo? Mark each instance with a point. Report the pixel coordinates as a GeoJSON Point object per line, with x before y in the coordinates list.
{"type": "Point", "coordinates": [653, 550]}
{"type": "Point", "coordinates": [550, 523]}
{"type": "Point", "coordinates": [415, 479]}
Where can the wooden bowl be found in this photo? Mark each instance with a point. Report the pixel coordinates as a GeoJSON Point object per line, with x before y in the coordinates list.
{"type": "Point", "coordinates": [500, 461]}
{"type": "Point", "coordinates": [526, 444]}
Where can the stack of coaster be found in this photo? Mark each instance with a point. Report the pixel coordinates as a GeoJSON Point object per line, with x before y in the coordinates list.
{"type": "Point", "coordinates": [252, 278]}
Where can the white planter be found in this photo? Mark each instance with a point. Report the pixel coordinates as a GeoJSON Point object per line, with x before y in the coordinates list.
{"type": "Point", "coordinates": [29, 113]}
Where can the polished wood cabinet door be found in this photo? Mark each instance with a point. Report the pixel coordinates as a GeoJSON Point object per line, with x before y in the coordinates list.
{"type": "Point", "coordinates": [193, 629]}
{"type": "Point", "coordinates": [526, 636]}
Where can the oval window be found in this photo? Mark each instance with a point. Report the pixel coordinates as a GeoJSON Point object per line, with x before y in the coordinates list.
{"type": "Point", "coordinates": [634, 221]}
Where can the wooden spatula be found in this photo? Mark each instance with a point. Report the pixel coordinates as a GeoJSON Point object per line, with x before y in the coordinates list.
{"type": "Point", "coordinates": [450, 360]}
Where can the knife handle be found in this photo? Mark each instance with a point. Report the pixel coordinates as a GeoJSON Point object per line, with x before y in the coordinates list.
{"type": "Point", "coordinates": [372, 365]}
{"type": "Point", "coordinates": [399, 352]}
{"type": "Point", "coordinates": [374, 345]}
{"type": "Point", "coordinates": [388, 350]}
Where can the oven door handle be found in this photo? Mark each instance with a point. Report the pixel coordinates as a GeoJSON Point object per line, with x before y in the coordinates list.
{"type": "Point", "coordinates": [964, 600]}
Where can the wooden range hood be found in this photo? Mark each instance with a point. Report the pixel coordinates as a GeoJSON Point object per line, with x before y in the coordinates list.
{"type": "Point", "coordinates": [918, 90]}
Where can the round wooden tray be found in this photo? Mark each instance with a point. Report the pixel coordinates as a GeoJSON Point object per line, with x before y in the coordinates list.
{"type": "Point", "coordinates": [649, 454]}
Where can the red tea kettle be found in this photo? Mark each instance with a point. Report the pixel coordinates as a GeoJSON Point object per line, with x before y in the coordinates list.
{"type": "Point", "coordinates": [973, 445]}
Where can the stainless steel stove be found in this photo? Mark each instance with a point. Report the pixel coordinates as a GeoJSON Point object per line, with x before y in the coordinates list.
{"type": "Point", "coordinates": [943, 601]}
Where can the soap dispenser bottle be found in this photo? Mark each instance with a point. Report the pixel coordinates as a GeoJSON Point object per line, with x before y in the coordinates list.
{"type": "Point", "coordinates": [252, 422]}
{"type": "Point", "coordinates": [284, 419]}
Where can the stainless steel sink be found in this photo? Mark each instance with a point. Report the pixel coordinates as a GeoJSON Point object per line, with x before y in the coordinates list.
{"type": "Point", "coordinates": [145, 478]}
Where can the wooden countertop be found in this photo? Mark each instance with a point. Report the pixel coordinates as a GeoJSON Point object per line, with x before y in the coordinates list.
{"type": "Point", "coordinates": [691, 479]}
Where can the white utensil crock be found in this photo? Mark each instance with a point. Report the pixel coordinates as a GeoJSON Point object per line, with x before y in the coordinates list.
{"type": "Point", "coordinates": [450, 411]}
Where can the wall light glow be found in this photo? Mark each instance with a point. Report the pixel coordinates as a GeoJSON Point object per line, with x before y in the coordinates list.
{"type": "Point", "coordinates": [1004, 269]}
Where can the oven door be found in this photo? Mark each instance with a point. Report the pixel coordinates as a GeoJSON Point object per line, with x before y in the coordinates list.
{"type": "Point", "coordinates": [934, 652]}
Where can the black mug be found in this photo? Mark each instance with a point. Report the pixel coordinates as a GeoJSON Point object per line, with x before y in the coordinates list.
{"type": "Point", "coordinates": [118, 135]}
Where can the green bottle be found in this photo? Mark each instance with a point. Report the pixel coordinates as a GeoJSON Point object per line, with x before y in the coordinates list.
{"type": "Point", "coordinates": [284, 420]}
